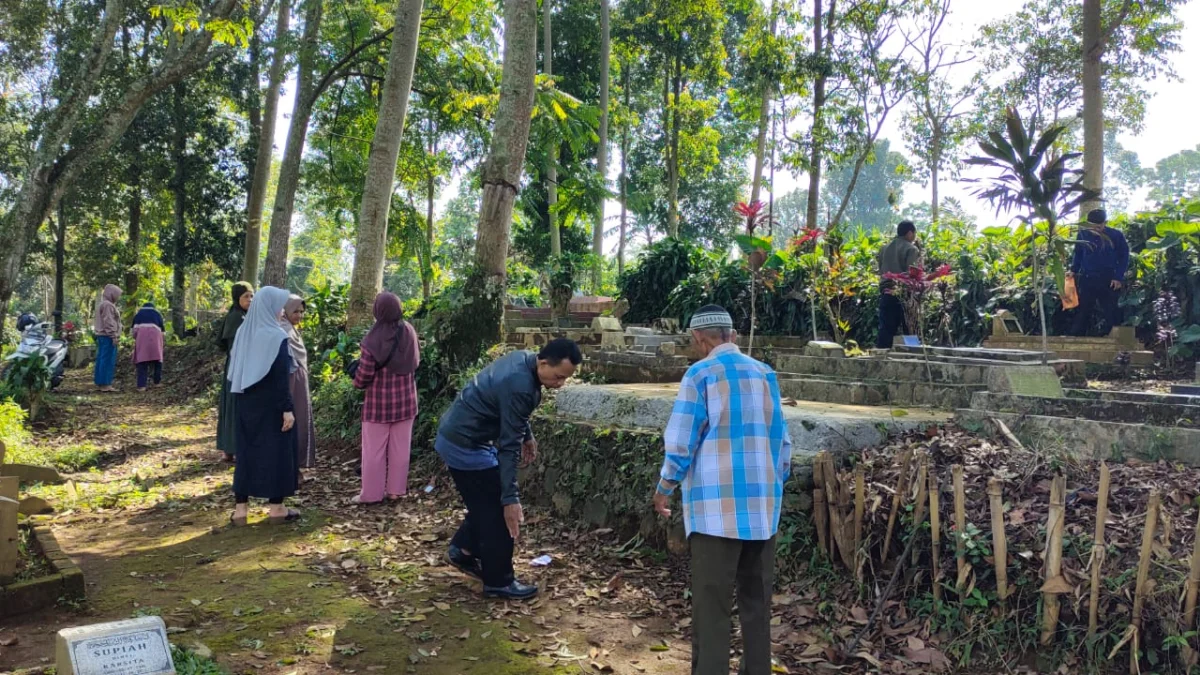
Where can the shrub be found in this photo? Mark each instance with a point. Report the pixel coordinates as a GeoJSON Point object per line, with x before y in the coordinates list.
{"type": "Point", "coordinates": [337, 409]}
{"type": "Point", "coordinates": [13, 432]}
{"type": "Point", "coordinates": [648, 285]}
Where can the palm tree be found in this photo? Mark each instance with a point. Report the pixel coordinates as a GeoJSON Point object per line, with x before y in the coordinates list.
{"type": "Point", "coordinates": [1035, 180]}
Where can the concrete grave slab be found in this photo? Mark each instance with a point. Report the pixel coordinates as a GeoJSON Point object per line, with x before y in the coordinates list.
{"type": "Point", "coordinates": [131, 647]}
{"type": "Point", "coordinates": [606, 323]}
{"type": "Point", "coordinates": [29, 474]}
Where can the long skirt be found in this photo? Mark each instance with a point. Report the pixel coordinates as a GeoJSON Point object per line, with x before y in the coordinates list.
{"type": "Point", "coordinates": [226, 438]}
{"type": "Point", "coordinates": [106, 361]}
{"type": "Point", "coordinates": [385, 453]}
{"type": "Point", "coordinates": [306, 434]}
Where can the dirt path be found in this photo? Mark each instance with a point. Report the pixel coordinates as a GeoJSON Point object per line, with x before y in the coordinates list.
{"type": "Point", "coordinates": [347, 589]}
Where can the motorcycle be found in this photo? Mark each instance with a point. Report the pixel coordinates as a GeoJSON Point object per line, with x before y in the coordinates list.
{"type": "Point", "coordinates": [37, 338]}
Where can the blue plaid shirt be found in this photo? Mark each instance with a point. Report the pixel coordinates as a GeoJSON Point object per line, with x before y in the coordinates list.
{"type": "Point", "coordinates": [727, 443]}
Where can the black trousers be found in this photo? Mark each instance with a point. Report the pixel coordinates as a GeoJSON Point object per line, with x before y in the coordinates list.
{"type": "Point", "coordinates": [716, 564]}
{"type": "Point", "coordinates": [484, 532]}
{"type": "Point", "coordinates": [145, 369]}
{"type": "Point", "coordinates": [1095, 289]}
{"type": "Point", "coordinates": [891, 319]}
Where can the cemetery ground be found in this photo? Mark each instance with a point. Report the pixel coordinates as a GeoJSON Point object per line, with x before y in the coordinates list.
{"type": "Point", "coordinates": [352, 589]}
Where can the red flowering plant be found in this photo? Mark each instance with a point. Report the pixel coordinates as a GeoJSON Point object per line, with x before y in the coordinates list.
{"type": "Point", "coordinates": [70, 332]}
{"type": "Point", "coordinates": [765, 263]}
{"type": "Point", "coordinates": [913, 287]}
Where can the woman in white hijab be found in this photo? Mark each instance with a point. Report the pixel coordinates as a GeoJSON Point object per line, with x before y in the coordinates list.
{"type": "Point", "coordinates": [264, 419]}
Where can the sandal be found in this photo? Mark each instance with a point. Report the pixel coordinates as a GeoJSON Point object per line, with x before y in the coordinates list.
{"type": "Point", "coordinates": [234, 521]}
{"type": "Point", "coordinates": [292, 515]}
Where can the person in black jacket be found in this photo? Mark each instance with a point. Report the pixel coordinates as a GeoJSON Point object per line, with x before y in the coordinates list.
{"type": "Point", "coordinates": [483, 439]}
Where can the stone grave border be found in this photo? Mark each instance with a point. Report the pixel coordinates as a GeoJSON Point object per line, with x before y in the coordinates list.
{"type": "Point", "coordinates": [34, 594]}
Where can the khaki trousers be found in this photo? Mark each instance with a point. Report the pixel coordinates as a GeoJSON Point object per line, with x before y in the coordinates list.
{"type": "Point", "coordinates": [718, 565]}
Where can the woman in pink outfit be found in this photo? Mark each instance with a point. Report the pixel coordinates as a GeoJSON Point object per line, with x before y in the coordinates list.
{"type": "Point", "coordinates": [390, 356]}
{"type": "Point", "coordinates": [148, 341]}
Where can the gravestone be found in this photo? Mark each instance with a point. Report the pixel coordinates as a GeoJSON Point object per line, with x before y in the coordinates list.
{"type": "Point", "coordinates": [605, 323]}
{"type": "Point", "coordinates": [825, 349]}
{"type": "Point", "coordinates": [35, 506]}
{"type": "Point", "coordinates": [1025, 381]}
{"type": "Point", "coordinates": [132, 647]}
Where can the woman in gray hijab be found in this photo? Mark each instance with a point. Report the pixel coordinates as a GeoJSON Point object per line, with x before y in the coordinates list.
{"type": "Point", "coordinates": [306, 442]}
{"type": "Point", "coordinates": [260, 364]}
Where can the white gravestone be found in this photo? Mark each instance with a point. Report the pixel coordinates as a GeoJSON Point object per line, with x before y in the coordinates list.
{"type": "Point", "coordinates": [133, 647]}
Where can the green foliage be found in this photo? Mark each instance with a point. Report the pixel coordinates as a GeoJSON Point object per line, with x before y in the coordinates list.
{"type": "Point", "coordinates": [13, 432]}
{"type": "Point", "coordinates": [648, 285]}
{"type": "Point", "coordinates": [337, 408]}
{"type": "Point", "coordinates": [188, 662]}
{"type": "Point", "coordinates": [26, 380]}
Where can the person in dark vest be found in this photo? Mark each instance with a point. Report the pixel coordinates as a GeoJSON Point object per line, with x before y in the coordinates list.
{"type": "Point", "coordinates": [1099, 265]}
{"type": "Point", "coordinates": [483, 439]}
{"type": "Point", "coordinates": [897, 257]}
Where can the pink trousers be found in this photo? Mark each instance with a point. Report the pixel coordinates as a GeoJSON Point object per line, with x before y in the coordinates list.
{"type": "Point", "coordinates": [385, 451]}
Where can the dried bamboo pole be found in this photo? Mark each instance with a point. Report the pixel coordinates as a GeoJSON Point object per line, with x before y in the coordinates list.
{"type": "Point", "coordinates": [897, 501]}
{"type": "Point", "coordinates": [1143, 575]}
{"type": "Point", "coordinates": [921, 505]}
{"type": "Point", "coordinates": [995, 493]}
{"type": "Point", "coordinates": [860, 507]}
{"type": "Point", "coordinates": [1189, 605]}
{"type": "Point", "coordinates": [821, 517]}
{"type": "Point", "coordinates": [1098, 549]}
{"type": "Point", "coordinates": [838, 520]}
{"type": "Point", "coordinates": [960, 521]}
{"type": "Point", "coordinates": [935, 530]}
{"type": "Point", "coordinates": [1054, 582]}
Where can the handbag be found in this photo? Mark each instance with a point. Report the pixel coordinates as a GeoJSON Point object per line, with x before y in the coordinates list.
{"type": "Point", "coordinates": [1070, 294]}
{"type": "Point", "coordinates": [352, 367]}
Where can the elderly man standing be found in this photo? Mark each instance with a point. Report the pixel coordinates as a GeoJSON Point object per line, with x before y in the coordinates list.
{"type": "Point", "coordinates": [727, 444]}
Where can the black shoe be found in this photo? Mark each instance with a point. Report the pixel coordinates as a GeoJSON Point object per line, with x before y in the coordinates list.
{"type": "Point", "coordinates": [514, 591]}
{"type": "Point", "coordinates": [467, 564]}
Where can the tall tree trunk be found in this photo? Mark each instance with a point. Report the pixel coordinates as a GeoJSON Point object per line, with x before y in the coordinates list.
{"type": "Point", "coordinates": [427, 263]}
{"type": "Point", "coordinates": [366, 280]}
{"type": "Point", "coordinates": [275, 270]}
{"type": "Point", "coordinates": [672, 90]}
{"type": "Point", "coordinates": [266, 144]}
{"type": "Point", "coordinates": [624, 178]}
{"type": "Point", "coordinates": [818, 127]}
{"type": "Point", "coordinates": [1093, 101]}
{"type": "Point", "coordinates": [934, 170]}
{"type": "Point", "coordinates": [764, 118]}
{"type": "Point", "coordinates": [510, 136]}
{"type": "Point", "coordinates": [552, 155]}
{"type": "Point", "coordinates": [51, 170]}
{"type": "Point", "coordinates": [602, 149]}
{"type": "Point", "coordinates": [134, 242]}
{"type": "Point", "coordinates": [60, 267]}
{"type": "Point", "coordinates": [179, 188]}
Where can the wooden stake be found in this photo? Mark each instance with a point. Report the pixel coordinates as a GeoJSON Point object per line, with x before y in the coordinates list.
{"type": "Point", "coordinates": [935, 530]}
{"type": "Point", "coordinates": [999, 539]}
{"type": "Point", "coordinates": [1189, 605]}
{"type": "Point", "coordinates": [8, 527]}
{"type": "Point", "coordinates": [960, 521]}
{"type": "Point", "coordinates": [921, 504]}
{"type": "Point", "coordinates": [1054, 583]}
{"type": "Point", "coordinates": [821, 517]}
{"type": "Point", "coordinates": [860, 507]}
{"type": "Point", "coordinates": [897, 501]}
{"type": "Point", "coordinates": [1098, 549]}
{"type": "Point", "coordinates": [1143, 575]}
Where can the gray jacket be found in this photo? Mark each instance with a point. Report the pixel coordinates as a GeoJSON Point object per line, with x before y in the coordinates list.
{"type": "Point", "coordinates": [494, 411]}
{"type": "Point", "coordinates": [899, 255]}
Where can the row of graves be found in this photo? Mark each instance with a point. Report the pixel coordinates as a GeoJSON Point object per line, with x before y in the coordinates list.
{"type": "Point", "coordinates": [918, 458]}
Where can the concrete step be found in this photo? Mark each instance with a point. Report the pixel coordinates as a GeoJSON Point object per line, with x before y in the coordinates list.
{"type": "Point", "coordinates": [881, 369]}
{"type": "Point", "coordinates": [902, 393]}
{"type": "Point", "coordinates": [1161, 412]}
{"type": "Point", "coordinates": [994, 355]}
{"type": "Point", "coordinates": [1092, 439]}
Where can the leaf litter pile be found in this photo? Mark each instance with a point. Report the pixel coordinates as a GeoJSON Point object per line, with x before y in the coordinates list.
{"type": "Point", "coordinates": [913, 632]}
